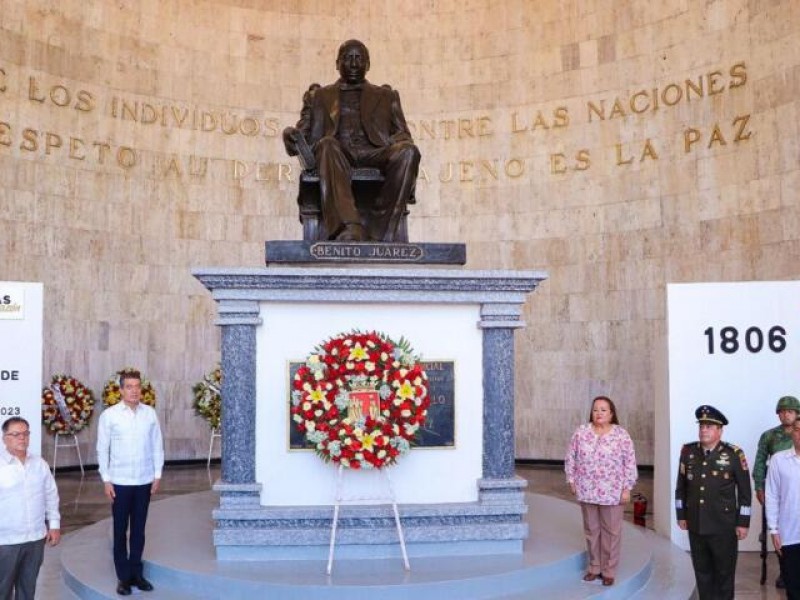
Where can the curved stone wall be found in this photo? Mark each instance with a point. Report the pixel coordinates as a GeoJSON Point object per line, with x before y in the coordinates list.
{"type": "Point", "coordinates": [619, 145]}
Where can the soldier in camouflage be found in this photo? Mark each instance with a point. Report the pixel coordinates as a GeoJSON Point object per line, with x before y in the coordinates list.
{"type": "Point", "coordinates": [772, 441]}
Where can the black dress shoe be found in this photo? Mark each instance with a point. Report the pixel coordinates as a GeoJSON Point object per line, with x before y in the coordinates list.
{"type": "Point", "coordinates": [123, 588]}
{"type": "Point", "coordinates": [779, 583]}
{"type": "Point", "coordinates": [142, 584]}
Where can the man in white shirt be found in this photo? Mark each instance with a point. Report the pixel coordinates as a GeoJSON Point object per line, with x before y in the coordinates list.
{"type": "Point", "coordinates": [130, 457]}
{"type": "Point", "coordinates": [28, 500]}
{"type": "Point", "coordinates": [783, 511]}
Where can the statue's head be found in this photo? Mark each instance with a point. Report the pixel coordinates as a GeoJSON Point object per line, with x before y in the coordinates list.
{"type": "Point", "coordinates": [352, 61]}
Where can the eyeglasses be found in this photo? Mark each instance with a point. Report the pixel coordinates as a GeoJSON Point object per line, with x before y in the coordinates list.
{"type": "Point", "coordinates": [19, 434]}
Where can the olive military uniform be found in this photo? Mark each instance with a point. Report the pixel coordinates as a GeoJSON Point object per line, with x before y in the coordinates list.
{"type": "Point", "coordinates": [713, 496]}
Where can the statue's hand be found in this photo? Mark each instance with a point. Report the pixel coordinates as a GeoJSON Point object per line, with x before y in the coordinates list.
{"type": "Point", "coordinates": [290, 135]}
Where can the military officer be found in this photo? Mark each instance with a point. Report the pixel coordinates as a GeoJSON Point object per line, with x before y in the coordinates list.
{"type": "Point", "coordinates": [772, 441]}
{"type": "Point", "coordinates": [712, 501]}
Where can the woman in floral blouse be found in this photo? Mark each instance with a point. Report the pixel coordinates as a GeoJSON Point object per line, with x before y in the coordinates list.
{"type": "Point", "coordinates": [601, 471]}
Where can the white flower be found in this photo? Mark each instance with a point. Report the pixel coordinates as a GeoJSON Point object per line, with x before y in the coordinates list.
{"type": "Point", "coordinates": [316, 437]}
{"type": "Point", "coordinates": [310, 426]}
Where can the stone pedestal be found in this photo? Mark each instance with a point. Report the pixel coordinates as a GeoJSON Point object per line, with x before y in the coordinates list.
{"type": "Point", "coordinates": [246, 528]}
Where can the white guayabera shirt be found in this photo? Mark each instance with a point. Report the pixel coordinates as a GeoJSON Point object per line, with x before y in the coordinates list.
{"type": "Point", "coordinates": [130, 449]}
{"type": "Point", "coordinates": [28, 498]}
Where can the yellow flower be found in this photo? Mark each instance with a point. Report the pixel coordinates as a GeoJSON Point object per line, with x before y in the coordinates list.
{"type": "Point", "coordinates": [406, 391]}
{"type": "Point", "coordinates": [368, 441]}
{"type": "Point", "coordinates": [317, 395]}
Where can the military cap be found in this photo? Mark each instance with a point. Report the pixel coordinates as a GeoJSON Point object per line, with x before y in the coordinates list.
{"type": "Point", "coordinates": [709, 414]}
{"type": "Point", "coordinates": [788, 403]}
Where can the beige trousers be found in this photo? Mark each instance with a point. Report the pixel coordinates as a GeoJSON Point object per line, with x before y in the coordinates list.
{"type": "Point", "coordinates": [602, 526]}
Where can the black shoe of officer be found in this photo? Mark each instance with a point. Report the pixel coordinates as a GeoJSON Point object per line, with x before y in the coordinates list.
{"type": "Point", "coordinates": [780, 584]}
{"type": "Point", "coordinates": [142, 583]}
{"type": "Point", "coordinates": [123, 588]}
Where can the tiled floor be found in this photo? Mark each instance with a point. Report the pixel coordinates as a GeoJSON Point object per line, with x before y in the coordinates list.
{"type": "Point", "coordinates": [83, 503]}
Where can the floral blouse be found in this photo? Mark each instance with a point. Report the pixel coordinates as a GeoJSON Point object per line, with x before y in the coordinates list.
{"type": "Point", "coordinates": [600, 466]}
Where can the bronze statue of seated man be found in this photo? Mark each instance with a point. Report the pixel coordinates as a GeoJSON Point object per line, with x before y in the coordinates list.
{"type": "Point", "coordinates": [354, 124]}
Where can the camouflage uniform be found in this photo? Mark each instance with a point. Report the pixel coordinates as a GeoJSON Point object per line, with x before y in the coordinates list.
{"type": "Point", "coordinates": [771, 441]}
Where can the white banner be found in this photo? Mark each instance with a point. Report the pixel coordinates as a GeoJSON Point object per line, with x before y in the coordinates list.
{"type": "Point", "coordinates": [735, 346]}
{"type": "Point", "coordinates": [21, 355]}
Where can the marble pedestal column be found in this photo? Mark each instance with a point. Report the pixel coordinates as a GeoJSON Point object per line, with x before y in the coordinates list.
{"type": "Point", "coordinates": [494, 524]}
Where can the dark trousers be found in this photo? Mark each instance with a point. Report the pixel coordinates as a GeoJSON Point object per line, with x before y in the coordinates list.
{"type": "Point", "coordinates": [714, 561]}
{"type": "Point", "coordinates": [399, 164]}
{"type": "Point", "coordinates": [19, 567]}
{"type": "Point", "coordinates": [791, 570]}
{"type": "Point", "coordinates": [130, 514]}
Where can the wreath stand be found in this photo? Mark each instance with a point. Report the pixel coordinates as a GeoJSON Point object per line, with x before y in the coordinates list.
{"type": "Point", "coordinates": [342, 500]}
{"type": "Point", "coordinates": [72, 442]}
{"type": "Point", "coordinates": [214, 435]}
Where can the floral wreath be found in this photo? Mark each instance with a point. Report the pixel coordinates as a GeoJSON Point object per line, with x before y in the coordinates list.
{"type": "Point", "coordinates": [360, 399]}
{"type": "Point", "coordinates": [112, 394]}
{"type": "Point", "coordinates": [207, 398]}
{"type": "Point", "coordinates": [67, 405]}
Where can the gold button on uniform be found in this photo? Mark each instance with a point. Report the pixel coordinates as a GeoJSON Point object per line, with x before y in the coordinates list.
{"type": "Point", "coordinates": [701, 500]}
